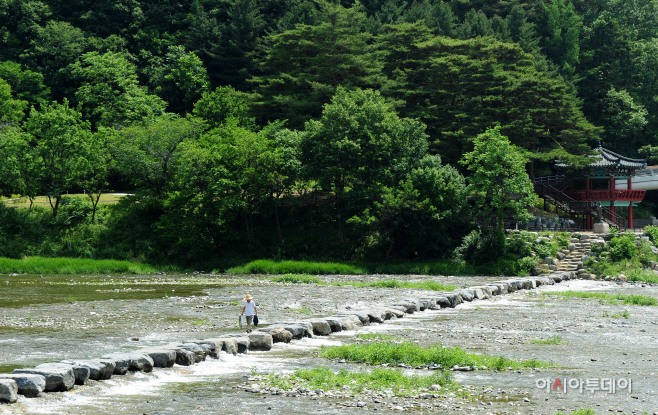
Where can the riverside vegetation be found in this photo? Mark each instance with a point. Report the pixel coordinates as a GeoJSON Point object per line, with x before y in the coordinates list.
{"type": "Point", "coordinates": [233, 151]}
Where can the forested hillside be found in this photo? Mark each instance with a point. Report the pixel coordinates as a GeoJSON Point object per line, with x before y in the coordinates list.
{"type": "Point", "coordinates": [299, 128]}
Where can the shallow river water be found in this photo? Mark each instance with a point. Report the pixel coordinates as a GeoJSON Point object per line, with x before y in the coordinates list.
{"type": "Point", "coordinates": [74, 317]}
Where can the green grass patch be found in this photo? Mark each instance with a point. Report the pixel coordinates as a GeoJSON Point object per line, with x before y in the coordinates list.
{"type": "Point", "coordinates": [580, 412]}
{"type": "Point", "coordinates": [634, 268]}
{"type": "Point", "coordinates": [421, 285]}
{"type": "Point", "coordinates": [49, 266]}
{"type": "Point", "coordinates": [612, 299]}
{"type": "Point", "coordinates": [297, 279]}
{"type": "Point", "coordinates": [201, 323]}
{"type": "Point", "coordinates": [415, 355]}
{"type": "Point", "coordinates": [623, 314]}
{"type": "Point", "coordinates": [376, 379]}
{"type": "Point", "coordinates": [551, 340]}
{"type": "Point", "coordinates": [266, 266]}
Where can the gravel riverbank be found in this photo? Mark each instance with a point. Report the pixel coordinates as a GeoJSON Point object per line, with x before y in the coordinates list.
{"type": "Point", "coordinates": [593, 346]}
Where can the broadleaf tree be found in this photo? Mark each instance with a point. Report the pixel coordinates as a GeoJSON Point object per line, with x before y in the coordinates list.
{"type": "Point", "coordinates": [498, 177]}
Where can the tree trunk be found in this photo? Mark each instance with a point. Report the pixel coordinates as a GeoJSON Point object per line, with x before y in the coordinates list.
{"type": "Point", "coordinates": [94, 204]}
{"type": "Point", "coordinates": [340, 220]}
{"type": "Point", "coordinates": [278, 222]}
{"type": "Point", "coordinates": [390, 248]}
{"type": "Point", "coordinates": [531, 170]}
{"type": "Point", "coordinates": [501, 228]}
{"type": "Point", "coordinates": [246, 222]}
{"type": "Point", "coordinates": [55, 207]}
{"type": "Point", "coordinates": [31, 202]}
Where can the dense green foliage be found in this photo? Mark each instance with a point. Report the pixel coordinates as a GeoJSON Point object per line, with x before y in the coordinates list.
{"type": "Point", "coordinates": [306, 129]}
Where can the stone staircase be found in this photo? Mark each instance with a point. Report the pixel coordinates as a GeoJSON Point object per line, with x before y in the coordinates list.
{"type": "Point", "coordinates": [572, 258]}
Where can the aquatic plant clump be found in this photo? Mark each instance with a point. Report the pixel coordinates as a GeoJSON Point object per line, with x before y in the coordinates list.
{"type": "Point", "coordinates": [266, 266]}
{"type": "Point", "coordinates": [356, 382]}
{"type": "Point", "coordinates": [610, 298]}
{"type": "Point", "coordinates": [40, 265]}
{"type": "Point", "coordinates": [297, 279]}
{"type": "Point", "coordinates": [415, 355]}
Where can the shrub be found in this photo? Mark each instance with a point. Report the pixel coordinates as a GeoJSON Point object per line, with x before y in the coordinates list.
{"type": "Point", "coordinates": [481, 247]}
{"type": "Point", "coordinates": [652, 233]}
{"type": "Point", "coordinates": [518, 245]}
{"type": "Point", "coordinates": [623, 247]}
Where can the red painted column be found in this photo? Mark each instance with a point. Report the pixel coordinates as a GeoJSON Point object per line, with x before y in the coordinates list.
{"type": "Point", "coordinates": [630, 206]}
{"type": "Point", "coordinates": [612, 188]}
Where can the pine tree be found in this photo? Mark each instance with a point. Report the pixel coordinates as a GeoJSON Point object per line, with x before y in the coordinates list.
{"type": "Point", "coordinates": [305, 65]}
{"type": "Point", "coordinates": [460, 88]}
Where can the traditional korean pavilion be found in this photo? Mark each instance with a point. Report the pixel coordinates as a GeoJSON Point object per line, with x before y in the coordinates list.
{"type": "Point", "coordinates": [581, 191]}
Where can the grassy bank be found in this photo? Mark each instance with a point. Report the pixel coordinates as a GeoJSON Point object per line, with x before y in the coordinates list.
{"type": "Point", "coordinates": [266, 266]}
{"type": "Point", "coordinates": [633, 268]}
{"type": "Point", "coordinates": [355, 382]}
{"type": "Point", "coordinates": [40, 265]}
{"type": "Point", "coordinates": [610, 298]}
{"type": "Point", "coordinates": [310, 279]}
{"type": "Point", "coordinates": [414, 355]}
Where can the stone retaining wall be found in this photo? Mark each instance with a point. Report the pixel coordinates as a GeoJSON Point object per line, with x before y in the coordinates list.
{"type": "Point", "coordinates": [63, 376]}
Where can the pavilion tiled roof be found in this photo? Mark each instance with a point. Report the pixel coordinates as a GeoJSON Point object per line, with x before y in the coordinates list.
{"type": "Point", "coordinates": [607, 158]}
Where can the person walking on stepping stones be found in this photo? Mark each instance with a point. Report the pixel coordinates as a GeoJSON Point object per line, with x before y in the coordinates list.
{"type": "Point", "coordinates": [249, 310]}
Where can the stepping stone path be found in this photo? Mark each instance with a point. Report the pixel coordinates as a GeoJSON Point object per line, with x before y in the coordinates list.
{"type": "Point", "coordinates": [63, 376]}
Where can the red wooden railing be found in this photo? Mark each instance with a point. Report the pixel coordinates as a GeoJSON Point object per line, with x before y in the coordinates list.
{"type": "Point", "coordinates": [599, 195]}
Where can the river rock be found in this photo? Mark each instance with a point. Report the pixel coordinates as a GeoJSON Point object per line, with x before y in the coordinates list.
{"type": "Point", "coordinates": [356, 321]}
{"type": "Point", "coordinates": [8, 391]}
{"type": "Point", "coordinates": [547, 280]}
{"type": "Point", "coordinates": [230, 345]}
{"type": "Point", "coordinates": [184, 357]}
{"type": "Point", "coordinates": [260, 341]}
{"type": "Point", "coordinates": [429, 303]}
{"type": "Point", "coordinates": [376, 315]}
{"type": "Point", "coordinates": [280, 335]}
{"type": "Point", "coordinates": [363, 317]}
{"type": "Point", "coordinates": [59, 378]}
{"type": "Point", "coordinates": [409, 307]}
{"type": "Point", "coordinates": [215, 345]}
{"type": "Point", "coordinates": [206, 347]}
{"type": "Point", "coordinates": [515, 285]}
{"type": "Point", "coordinates": [393, 312]}
{"type": "Point", "coordinates": [443, 302]}
{"type": "Point", "coordinates": [80, 372]}
{"type": "Point", "coordinates": [481, 293]}
{"type": "Point", "coordinates": [161, 357]}
{"type": "Point", "coordinates": [298, 329]}
{"type": "Point", "coordinates": [454, 297]}
{"type": "Point", "coordinates": [199, 352]}
{"type": "Point", "coordinates": [334, 324]}
{"type": "Point", "coordinates": [504, 287]}
{"type": "Point", "coordinates": [98, 369]}
{"type": "Point", "coordinates": [30, 386]}
{"type": "Point", "coordinates": [342, 322]}
{"type": "Point", "coordinates": [494, 289]}
{"type": "Point", "coordinates": [467, 295]}
{"type": "Point", "coordinates": [135, 361]}
{"type": "Point", "coordinates": [242, 342]}
{"type": "Point", "coordinates": [320, 327]}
